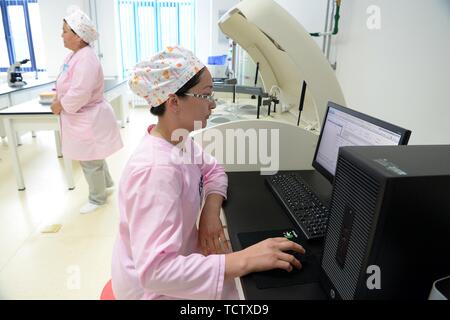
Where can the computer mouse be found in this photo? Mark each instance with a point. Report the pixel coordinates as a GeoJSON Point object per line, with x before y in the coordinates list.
{"type": "Point", "coordinates": [299, 256]}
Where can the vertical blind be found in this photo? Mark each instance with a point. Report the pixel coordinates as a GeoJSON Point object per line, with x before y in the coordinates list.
{"type": "Point", "coordinates": [21, 35]}
{"type": "Point", "coordinates": [147, 27]}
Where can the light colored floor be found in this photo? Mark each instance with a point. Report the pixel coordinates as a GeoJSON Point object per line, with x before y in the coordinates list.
{"type": "Point", "coordinates": [75, 262]}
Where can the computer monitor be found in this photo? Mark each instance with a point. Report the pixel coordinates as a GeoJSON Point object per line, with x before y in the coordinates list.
{"type": "Point", "coordinates": [345, 127]}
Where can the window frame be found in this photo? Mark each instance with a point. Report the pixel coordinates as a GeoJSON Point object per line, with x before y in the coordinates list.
{"type": "Point", "coordinates": [4, 4]}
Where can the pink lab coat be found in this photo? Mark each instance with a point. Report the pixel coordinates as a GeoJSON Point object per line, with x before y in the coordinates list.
{"type": "Point", "coordinates": [156, 254]}
{"type": "Point", "coordinates": [89, 129]}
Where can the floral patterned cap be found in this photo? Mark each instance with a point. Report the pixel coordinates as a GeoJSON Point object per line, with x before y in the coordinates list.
{"type": "Point", "coordinates": [81, 24]}
{"type": "Point", "coordinates": [163, 74]}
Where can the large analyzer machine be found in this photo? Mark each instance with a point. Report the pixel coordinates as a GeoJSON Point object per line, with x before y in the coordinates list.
{"type": "Point", "coordinates": [287, 56]}
{"type": "Point", "coordinates": [290, 60]}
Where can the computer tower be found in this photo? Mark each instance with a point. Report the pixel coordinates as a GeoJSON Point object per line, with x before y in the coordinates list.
{"type": "Point", "coordinates": [388, 235]}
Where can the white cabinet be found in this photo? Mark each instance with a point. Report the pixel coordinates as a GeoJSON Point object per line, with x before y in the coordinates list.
{"type": "Point", "coordinates": [4, 101]}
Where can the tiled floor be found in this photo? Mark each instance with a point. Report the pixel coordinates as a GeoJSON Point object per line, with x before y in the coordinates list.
{"type": "Point", "coordinates": [73, 263]}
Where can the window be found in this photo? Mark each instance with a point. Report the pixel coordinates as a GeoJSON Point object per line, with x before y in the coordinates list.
{"type": "Point", "coordinates": [147, 27]}
{"type": "Point", "coordinates": [4, 60]}
{"type": "Point", "coordinates": [21, 36]}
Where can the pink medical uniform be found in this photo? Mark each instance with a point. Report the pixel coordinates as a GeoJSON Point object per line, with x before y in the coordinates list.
{"type": "Point", "coordinates": [89, 129]}
{"type": "Point", "coordinates": [156, 254]}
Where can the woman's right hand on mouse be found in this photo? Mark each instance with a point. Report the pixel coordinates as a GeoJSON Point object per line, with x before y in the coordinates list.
{"type": "Point", "coordinates": [262, 256]}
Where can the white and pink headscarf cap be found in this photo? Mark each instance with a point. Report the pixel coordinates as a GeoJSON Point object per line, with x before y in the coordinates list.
{"type": "Point", "coordinates": [164, 74]}
{"type": "Point", "coordinates": [81, 24]}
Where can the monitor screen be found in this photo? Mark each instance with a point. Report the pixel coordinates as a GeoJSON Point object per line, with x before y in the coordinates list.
{"type": "Point", "coordinates": [345, 127]}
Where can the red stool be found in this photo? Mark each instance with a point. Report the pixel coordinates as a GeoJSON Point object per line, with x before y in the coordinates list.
{"type": "Point", "coordinates": [107, 292]}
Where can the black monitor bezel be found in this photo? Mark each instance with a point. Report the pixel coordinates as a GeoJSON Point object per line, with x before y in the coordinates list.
{"type": "Point", "coordinates": [404, 133]}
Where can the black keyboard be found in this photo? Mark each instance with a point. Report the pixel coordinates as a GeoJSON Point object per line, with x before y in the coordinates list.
{"type": "Point", "coordinates": [307, 211]}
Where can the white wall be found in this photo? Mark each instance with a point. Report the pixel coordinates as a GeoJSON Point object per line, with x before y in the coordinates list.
{"type": "Point", "coordinates": [207, 35]}
{"type": "Point", "coordinates": [52, 14]}
{"type": "Point", "coordinates": [400, 73]}
{"type": "Point", "coordinates": [218, 47]}
{"type": "Point", "coordinates": [109, 40]}
{"type": "Point", "coordinates": [203, 29]}
{"type": "Point", "coordinates": [310, 13]}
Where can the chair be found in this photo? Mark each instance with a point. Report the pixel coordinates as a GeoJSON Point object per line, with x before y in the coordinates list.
{"type": "Point", "coordinates": [107, 292]}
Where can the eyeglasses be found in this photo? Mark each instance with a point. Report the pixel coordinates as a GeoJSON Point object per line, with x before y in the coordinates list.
{"type": "Point", "coordinates": [209, 97]}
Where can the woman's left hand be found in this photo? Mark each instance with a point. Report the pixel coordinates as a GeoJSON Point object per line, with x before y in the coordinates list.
{"type": "Point", "coordinates": [211, 236]}
{"type": "Point", "coordinates": [56, 107]}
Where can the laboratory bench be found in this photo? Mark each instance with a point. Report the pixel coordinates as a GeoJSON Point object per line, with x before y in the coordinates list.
{"type": "Point", "coordinates": [33, 116]}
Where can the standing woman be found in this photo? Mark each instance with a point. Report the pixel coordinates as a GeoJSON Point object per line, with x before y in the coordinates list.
{"type": "Point", "coordinates": [159, 252]}
{"type": "Point", "coordinates": [89, 130]}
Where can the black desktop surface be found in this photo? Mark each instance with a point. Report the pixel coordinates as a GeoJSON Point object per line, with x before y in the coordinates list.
{"type": "Point", "coordinates": [251, 207]}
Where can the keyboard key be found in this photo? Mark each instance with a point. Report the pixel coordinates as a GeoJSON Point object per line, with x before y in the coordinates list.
{"type": "Point", "coordinates": [303, 205]}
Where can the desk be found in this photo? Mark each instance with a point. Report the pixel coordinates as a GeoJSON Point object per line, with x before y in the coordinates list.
{"type": "Point", "coordinates": [252, 207]}
{"type": "Point", "coordinates": [13, 96]}
{"type": "Point", "coordinates": [115, 94]}
{"type": "Point", "coordinates": [31, 84]}
{"type": "Point", "coordinates": [32, 116]}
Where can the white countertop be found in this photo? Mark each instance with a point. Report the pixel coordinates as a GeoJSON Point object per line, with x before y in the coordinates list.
{"type": "Point", "coordinates": [28, 107]}
{"type": "Point", "coordinates": [31, 83]}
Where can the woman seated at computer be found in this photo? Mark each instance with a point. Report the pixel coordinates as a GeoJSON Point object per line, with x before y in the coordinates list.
{"type": "Point", "coordinates": [159, 252]}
